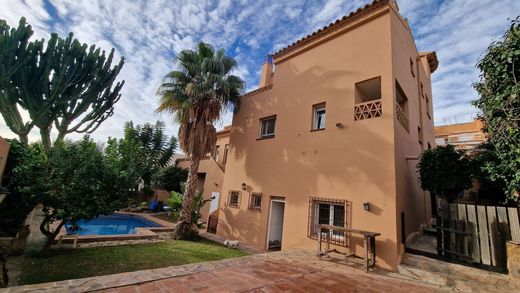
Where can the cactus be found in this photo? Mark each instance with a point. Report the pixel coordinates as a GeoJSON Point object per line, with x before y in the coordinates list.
{"type": "Point", "coordinates": [69, 85]}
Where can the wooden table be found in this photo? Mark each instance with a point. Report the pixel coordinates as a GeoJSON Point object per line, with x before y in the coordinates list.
{"type": "Point", "coordinates": [369, 243]}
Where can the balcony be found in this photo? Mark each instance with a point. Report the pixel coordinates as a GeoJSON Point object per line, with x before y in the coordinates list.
{"type": "Point", "coordinates": [367, 110]}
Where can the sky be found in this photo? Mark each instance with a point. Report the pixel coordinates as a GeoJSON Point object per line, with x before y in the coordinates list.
{"type": "Point", "coordinates": [149, 33]}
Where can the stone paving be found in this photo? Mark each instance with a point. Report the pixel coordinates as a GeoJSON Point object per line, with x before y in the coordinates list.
{"type": "Point", "coordinates": [295, 271]}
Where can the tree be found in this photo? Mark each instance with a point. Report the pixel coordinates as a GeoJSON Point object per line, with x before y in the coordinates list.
{"type": "Point", "coordinates": [198, 94]}
{"type": "Point", "coordinates": [24, 176]}
{"type": "Point", "coordinates": [68, 85]}
{"type": "Point", "coordinates": [444, 171]}
{"type": "Point", "coordinates": [15, 52]}
{"type": "Point", "coordinates": [490, 191]}
{"type": "Point", "coordinates": [82, 184]}
{"type": "Point", "coordinates": [143, 151]}
{"type": "Point", "coordinates": [170, 178]}
{"type": "Point", "coordinates": [499, 102]}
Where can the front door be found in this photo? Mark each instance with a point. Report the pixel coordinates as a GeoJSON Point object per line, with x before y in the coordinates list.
{"type": "Point", "coordinates": [276, 224]}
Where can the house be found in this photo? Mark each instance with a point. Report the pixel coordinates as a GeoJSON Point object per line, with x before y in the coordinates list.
{"type": "Point", "coordinates": [331, 136]}
{"type": "Point", "coordinates": [464, 136]}
{"type": "Point", "coordinates": [211, 172]}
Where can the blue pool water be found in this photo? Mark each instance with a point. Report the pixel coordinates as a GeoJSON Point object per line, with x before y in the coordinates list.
{"type": "Point", "coordinates": [115, 224]}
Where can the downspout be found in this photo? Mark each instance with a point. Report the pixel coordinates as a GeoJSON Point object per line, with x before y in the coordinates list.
{"type": "Point", "coordinates": [417, 60]}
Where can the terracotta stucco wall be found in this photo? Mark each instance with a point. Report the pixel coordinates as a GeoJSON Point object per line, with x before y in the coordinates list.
{"type": "Point", "coordinates": [411, 199]}
{"type": "Point", "coordinates": [353, 163]}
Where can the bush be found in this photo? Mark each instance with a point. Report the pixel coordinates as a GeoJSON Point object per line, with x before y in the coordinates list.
{"type": "Point", "coordinates": [444, 171]}
{"type": "Point", "coordinates": [24, 176]}
{"type": "Point", "coordinates": [170, 178]}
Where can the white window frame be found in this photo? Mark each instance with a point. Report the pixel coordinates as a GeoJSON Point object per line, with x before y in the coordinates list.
{"type": "Point", "coordinates": [316, 125]}
{"type": "Point", "coordinates": [217, 152]}
{"type": "Point", "coordinates": [263, 122]}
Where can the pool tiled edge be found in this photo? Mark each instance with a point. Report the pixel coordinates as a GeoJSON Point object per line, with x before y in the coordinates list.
{"type": "Point", "coordinates": [141, 232]}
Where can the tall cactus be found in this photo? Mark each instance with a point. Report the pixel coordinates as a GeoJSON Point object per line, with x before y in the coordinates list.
{"type": "Point", "coordinates": [15, 52]}
{"type": "Point", "coordinates": [68, 85]}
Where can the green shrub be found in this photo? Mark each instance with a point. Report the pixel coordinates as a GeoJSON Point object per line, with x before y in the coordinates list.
{"type": "Point", "coordinates": [24, 176]}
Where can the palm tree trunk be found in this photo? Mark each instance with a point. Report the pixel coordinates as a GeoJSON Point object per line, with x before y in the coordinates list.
{"type": "Point", "coordinates": [185, 229]}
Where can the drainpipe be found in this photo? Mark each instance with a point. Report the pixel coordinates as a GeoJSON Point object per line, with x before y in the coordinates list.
{"type": "Point", "coordinates": [417, 60]}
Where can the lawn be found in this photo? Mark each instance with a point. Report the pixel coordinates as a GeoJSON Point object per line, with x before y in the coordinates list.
{"type": "Point", "coordinates": [64, 264]}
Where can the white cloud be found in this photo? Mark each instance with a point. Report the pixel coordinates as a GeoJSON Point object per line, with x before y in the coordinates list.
{"type": "Point", "coordinates": [150, 33]}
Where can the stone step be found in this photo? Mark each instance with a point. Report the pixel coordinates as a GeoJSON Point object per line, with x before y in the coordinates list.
{"type": "Point", "coordinates": [458, 276]}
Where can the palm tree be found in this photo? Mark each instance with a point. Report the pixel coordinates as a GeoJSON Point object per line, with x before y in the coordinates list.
{"type": "Point", "coordinates": [198, 94]}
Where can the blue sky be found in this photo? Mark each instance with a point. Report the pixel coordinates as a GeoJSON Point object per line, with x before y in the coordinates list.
{"type": "Point", "coordinates": [148, 33]}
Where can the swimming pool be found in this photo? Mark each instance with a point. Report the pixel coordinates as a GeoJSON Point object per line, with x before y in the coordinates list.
{"type": "Point", "coordinates": [115, 224]}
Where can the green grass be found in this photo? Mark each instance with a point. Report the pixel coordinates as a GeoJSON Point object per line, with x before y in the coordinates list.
{"type": "Point", "coordinates": [64, 264]}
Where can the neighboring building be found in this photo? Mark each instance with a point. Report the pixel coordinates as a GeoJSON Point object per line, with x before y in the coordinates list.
{"type": "Point", "coordinates": [464, 136]}
{"type": "Point", "coordinates": [336, 125]}
{"type": "Point", "coordinates": [211, 172]}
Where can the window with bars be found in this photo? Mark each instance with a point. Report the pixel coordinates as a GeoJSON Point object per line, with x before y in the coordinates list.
{"type": "Point", "coordinates": [255, 201]}
{"type": "Point", "coordinates": [234, 198]}
{"type": "Point", "coordinates": [331, 212]}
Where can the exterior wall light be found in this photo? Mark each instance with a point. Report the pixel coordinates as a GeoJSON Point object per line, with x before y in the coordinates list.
{"type": "Point", "coordinates": [339, 125]}
{"type": "Point", "coordinates": [244, 186]}
{"type": "Point", "coordinates": [366, 206]}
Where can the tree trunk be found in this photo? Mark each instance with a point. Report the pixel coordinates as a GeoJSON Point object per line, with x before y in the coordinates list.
{"type": "Point", "coordinates": [51, 235]}
{"type": "Point", "coordinates": [46, 139]}
{"type": "Point", "coordinates": [23, 139]}
{"type": "Point", "coordinates": [185, 229]}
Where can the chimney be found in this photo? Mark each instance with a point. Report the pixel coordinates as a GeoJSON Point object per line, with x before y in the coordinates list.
{"type": "Point", "coordinates": [266, 77]}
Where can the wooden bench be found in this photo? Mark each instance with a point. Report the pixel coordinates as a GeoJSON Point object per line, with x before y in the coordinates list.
{"type": "Point", "coordinates": [369, 243]}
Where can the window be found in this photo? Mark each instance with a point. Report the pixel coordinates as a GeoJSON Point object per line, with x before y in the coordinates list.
{"type": "Point", "coordinates": [441, 141]}
{"type": "Point", "coordinates": [411, 67]}
{"type": "Point", "coordinates": [226, 149]}
{"type": "Point", "coordinates": [234, 198]}
{"type": "Point", "coordinates": [328, 212]}
{"type": "Point", "coordinates": [401, 107]}
{"type": "Point", "coordinates": [217, 153]}
{"type": "Point", "coordinates": [318, 117]}
{"type": "Point", "coordinates": [419, 133]}
{"type": "Point", "coordinates": [422, 90]}
{"type": "Point", "coordinates": [267, 127]}
{"type": "Point", "coordinates": [429, 146]}
{"type": "Point", "coordinates": [428, 108]}
{"type": "Point", "coordinates": [255, 201]}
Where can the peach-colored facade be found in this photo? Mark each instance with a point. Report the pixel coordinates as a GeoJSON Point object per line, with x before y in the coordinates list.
{"type": "Point", "coordinates": [338, 121]}
{"type": "Point", "coordinates": [464, 136]}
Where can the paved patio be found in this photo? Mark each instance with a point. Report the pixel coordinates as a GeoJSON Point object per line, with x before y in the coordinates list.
{"type": "Point", "coordinates": [269, 272]}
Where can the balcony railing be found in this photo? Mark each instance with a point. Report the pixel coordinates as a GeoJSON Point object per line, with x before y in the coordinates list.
{"type": "Point", "coordinates": [402, 117]}
{"type": "Point", "coordinates": [367, 110]}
